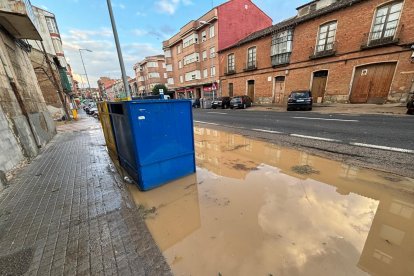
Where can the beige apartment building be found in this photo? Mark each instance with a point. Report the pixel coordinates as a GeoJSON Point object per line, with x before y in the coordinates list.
{"type": "Point", "coordinates": [150, 72]}
{"type": "Point", "coordinates": [191, 54]}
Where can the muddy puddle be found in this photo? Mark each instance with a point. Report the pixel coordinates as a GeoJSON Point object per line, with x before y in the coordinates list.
{"type": "Point", "coordinates": [255, 208]}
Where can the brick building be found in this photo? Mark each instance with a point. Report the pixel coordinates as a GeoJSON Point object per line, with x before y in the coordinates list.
{"type": "Point", "coordinates": [52, 42]}
{"type": "Point", "coordinates": [150, 72]}
{"type": "Point", "coordinates": [350, 51]}
{"type": "Point", "coordinates": [192, 62]}
{"type": "Point", "coordinates": [103, 85]}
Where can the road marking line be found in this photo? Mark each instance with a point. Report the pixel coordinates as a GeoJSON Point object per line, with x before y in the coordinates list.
{"type": "Point", "coordinates": [382, 147]}
{"type": "Point", "coordinates": [267, 130]}
{"type": "Point", "coordinates": [207, 123]}
{"type": "Point", "coordinates": [213, 112]}
{"type": "Point", "coordinates": [324, 119]}
{"type": "Point", "coordinates": [315, 138]}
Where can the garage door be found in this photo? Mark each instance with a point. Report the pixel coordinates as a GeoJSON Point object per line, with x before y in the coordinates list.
{"type": "Point", "coordinates": [372, 83]}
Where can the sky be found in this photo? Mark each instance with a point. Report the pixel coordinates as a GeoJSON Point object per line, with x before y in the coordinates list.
{"type": "Point", "coordinates": [142, 26]}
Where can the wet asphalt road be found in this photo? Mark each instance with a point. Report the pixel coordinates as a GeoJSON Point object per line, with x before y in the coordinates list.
{"type": "Point", "coordinates": [364, 130]}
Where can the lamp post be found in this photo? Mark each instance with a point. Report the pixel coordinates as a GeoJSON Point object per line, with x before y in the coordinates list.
{"type": "Point", "coordinates": [118, 48]}
{"type": "Point", "coordinates": [202, 23]}
{"type": "Point", "coordinates": [84, 68]}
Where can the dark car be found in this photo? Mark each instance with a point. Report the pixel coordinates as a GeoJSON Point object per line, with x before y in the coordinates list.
{"type": "Point", "coordinates": [240, 102]}
{"type": "Point", "coordinates": [196, 103]}
{"type": "Point", "coordinates": [410, 104]}
{"type": "Point", "coordinates": [223, 102]}
{"type": "Point", "coordinates": [300, 100]}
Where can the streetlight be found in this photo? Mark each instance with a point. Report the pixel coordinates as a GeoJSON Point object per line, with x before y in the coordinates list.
{"type": "Point", "coordinates": [118, 48]}
{"type": "Point", "coordinates": [84, 68]}
{"type": "Point", "coordinates": [202, 23]}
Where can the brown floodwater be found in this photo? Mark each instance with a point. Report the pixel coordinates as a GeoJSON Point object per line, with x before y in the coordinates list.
{"type": "Point", "coordinates": [255, 208]}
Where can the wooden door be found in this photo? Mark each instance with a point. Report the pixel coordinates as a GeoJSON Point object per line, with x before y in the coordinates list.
{"type": "Point", "coordinates": [319, 85]}
{"type": "Point", "coordinates": [250, 89]}
{"type": "Point", "coordinates": [279, 89]}
{"type": "Point", "coordinates": [231, 89]}
{"type": "Point", "coordinates": [372, 83]}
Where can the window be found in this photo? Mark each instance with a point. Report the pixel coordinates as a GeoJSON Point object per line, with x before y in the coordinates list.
{"type": "Point", "coordinates": [194, 75]}
{"type": "Point", "coordinates": [169, 68]}
{"type": "Point", "coordinates": [152, 64]}
{"type": "Point", "coordinates": [181, 79]}
{"type": "Point", "coordinates": [167, 53]}
{"type": "Point", "coordinates": [51, 25]}
{"type": "Point", "coordinates": [190, 40]}
{"type": "Point", "coordinates": [386, 21]}
{"type": "Point", "coordinates": [194, 57]}
{"type": "Point", "coordinates": [213, 71]}
{"type": "Point", "coordinates": [179, 48]}
{"type": "Point", "coordinates": [211, 31]}
{"type": "Point", "coordinates": [212, 52]}
{"type": "Point", "coordinates": [153, 75]}
{"type": "Point", "coordinates": [326, 38]}
{"type": "Point", "coordinates": [281, 47]}
{"type": "Point", "coordinates": [203, 36]}
{"type": "Point", "coordinates": [205, 73]}
{"type": "Point", "coordinates": [165, 75]}
{"type": "Point", "coordinates": [230, 63]}
{"type": "Point", "coordinates": [163, 65]}
{"type": "Point", "coordinates": [170, 81]}
{"type": "Point", "coordinates": [180, 64]}
{"type": "Point", "coordinates": [204, 55]}
{"type": "Point", "coordinates": [251, 57]}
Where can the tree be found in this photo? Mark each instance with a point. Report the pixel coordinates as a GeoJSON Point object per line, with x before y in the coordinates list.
{"type": "Point", "coordinates": [157, 87]}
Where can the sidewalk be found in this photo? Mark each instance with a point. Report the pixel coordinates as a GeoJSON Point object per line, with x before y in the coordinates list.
{"type": "Point", "coordinates": [354, 109]}
{"type": "Point", "coordinates": [66, 214]}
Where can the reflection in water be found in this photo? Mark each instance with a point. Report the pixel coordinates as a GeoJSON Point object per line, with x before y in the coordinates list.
{"type": "Point", "coordinates": [250, 213]}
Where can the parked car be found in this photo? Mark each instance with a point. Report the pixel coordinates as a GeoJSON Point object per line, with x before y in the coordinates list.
{"type": "Point", "coordinates": [240, 102]}
{"type": "Point", "coordinates": [410, 104]}
{"type": "Point", "coordinates": [300, 100]}
{"type": "Point", "coordinates": [196, 103]}
{"type": "Point", "coordinates": [223, 102]}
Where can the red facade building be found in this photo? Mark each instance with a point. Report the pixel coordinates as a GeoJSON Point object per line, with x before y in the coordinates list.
{"type": "Point", "coordinates": [350, 51]}
{"type": "Point", "coordinates": [191, 54]}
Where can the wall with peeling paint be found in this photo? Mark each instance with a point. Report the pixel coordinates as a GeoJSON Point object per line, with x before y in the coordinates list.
{"type": "Point", "coordinates": [25, 123]}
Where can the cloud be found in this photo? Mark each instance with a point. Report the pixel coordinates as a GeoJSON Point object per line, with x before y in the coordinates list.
{"type": "Point", "coordinates": [170, 6]}
{"type": "Point", "coordinates": [141, 13]}
{"type": "Point", "coordinates": [103, 60]}
{"type": "Point", "coordinates": [118, 5]}
{"type": "Point", "coordinates": [139, 32]}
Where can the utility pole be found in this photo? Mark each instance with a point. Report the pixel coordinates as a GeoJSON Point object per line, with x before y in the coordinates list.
{"type": "Point", "coordinates": [84, 68]}
{"type": "Point", "coordinates": [118, 48]}
{"type": "Point", "coordinates": [55, 82]}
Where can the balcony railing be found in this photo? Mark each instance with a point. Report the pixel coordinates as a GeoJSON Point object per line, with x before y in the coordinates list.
{"type": "Point", "coordinates": [229, 71]}
{"type": "Point", "coordinates": [280, 59]}
{"type": "Point", "coordinates": [250, 66]}
{"type": "Point", "coordinates": [321, 51]}
{"type": "Point", "coordinates": [381, 38]}
{"type": "Point", "coordinates": [17, 17]}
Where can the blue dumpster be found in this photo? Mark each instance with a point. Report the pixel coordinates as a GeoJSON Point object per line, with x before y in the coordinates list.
{"type": "Point", "coordinates": [155, 140]}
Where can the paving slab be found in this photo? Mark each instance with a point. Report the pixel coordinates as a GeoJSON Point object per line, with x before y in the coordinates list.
{"type": "Point", "coordinates": [68, 213]}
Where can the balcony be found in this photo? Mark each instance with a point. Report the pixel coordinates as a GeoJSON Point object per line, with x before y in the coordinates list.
{"type": "Point", "coordinates": [229, 71]}
{"type": "Point", "coordinates": [280, 59]}
{"type": "Point", "coordinates": [250, 66]}
{"type": "Point", "coordinates": [17, 17]}
{"type": "Point", "coordinates": [381, 38]}
{"type": "Point", "coordinates": [323, 51]}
